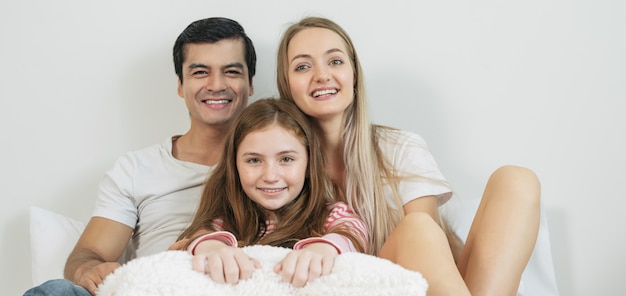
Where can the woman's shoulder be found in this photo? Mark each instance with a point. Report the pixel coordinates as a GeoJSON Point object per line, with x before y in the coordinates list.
{"type": "Point", "coordinates": [392, 137]}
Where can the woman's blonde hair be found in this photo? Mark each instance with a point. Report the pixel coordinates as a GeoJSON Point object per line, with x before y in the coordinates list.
{"type": "Point", "coordinates": [367, 170]}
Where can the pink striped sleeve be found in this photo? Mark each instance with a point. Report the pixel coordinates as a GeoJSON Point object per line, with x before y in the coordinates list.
{"type": "Point", "coordinates": [223, 236]}
{"type": "Point", "coordinates": [341, 218]}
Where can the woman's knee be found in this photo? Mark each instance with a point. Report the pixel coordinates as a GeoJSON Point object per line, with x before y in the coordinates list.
{"type": "Point", "coordinates": [515, 182]}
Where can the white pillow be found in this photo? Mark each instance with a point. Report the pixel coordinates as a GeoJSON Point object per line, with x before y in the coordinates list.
{"type": "Point", "coordinates": [170, 273]}
{"type": "Point", "coordinates": [52, 238]}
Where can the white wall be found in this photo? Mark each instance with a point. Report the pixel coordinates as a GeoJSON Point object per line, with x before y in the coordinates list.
{"type": "Point", "coordinates": [535, 83]}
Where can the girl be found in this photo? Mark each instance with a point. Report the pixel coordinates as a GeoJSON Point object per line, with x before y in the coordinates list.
{"type": "Point", "coordinates": [270, 188]}
{"type": "Point", "coordinates": [392, 181]}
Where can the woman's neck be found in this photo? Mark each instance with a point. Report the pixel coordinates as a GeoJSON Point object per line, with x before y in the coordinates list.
{"type": "Point", "coordinates": [331, 138]}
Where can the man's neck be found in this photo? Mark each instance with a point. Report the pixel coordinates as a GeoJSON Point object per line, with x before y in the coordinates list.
{"type": "Point", "coordinates": [202, 146]}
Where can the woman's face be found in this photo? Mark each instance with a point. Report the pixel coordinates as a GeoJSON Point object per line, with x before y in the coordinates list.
{"type": "Point", "coordinates": [320, 73]}
{"type": "Point", "coordinates": [272, 165]}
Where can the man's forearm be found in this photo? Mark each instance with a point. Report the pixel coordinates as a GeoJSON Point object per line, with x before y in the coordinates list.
{"type": "Point", "coordinates": [79, 261]}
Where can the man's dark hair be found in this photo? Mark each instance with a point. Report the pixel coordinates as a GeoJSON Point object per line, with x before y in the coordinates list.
{"type": "Point", "coordinates": [211, 30]}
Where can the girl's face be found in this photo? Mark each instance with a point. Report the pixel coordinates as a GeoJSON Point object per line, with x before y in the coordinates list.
{"type": "Point", "coordinates": [320, 73]}
{"type": "Point", "coordinates": [272, 165]}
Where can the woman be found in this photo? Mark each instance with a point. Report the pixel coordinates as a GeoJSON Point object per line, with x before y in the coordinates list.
{"type": "Point", "coordinates": [391, 179]}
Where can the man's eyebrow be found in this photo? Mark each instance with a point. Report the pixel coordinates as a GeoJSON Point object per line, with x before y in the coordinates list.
{"type": "Point", "coordinates": [234, 65]}
{"type": "Point", "coordinates": [203, 66]}
{"type": "Point", "coordinates": [197, 65]}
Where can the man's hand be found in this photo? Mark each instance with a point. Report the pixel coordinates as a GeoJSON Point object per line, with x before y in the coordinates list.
{"type": "Point", "coordinates": [96, 253]}
{"type": "Point", "coordinates": [92, 277]}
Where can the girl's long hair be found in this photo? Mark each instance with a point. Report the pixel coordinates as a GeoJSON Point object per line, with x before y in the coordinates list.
{"type": "Point", "coordinates": [223, 197]}
{"type": "Point", "coordinates": [367, 170]}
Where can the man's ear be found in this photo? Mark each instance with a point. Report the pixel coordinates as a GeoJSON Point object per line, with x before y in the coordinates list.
{"type": "Point", "coordinates": [180, 88]}
{"type": "Point", "coordinates": [251, 93]}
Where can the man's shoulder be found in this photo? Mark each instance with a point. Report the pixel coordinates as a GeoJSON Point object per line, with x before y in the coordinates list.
{"type": "Point", "coordinates": [147, 155]}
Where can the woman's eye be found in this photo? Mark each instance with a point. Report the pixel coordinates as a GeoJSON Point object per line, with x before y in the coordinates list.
{"type": "Point", "coordinates": [301, 67]}
{"type": "Point", "coordinates": [287, 159]}
{"type": "Point", "coordinates": [336, 62]}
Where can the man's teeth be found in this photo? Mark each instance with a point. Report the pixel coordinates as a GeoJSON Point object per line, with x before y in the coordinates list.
{"type": "Point", "coordinates": [324, 92]}
{"type": "Point", "coordinates": [213, 102]}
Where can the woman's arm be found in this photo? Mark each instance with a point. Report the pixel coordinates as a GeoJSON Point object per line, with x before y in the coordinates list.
{"type": "Point", "coordinates": [426, 204]}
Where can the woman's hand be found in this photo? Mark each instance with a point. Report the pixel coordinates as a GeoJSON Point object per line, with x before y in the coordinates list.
{"type": "Point", "coordinates": [302, 266]}
{"type": "Point", "coordinates": [223, 263]}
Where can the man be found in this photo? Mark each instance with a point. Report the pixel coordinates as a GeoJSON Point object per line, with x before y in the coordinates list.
{"type": "Point", "coordinates": [149, 196]}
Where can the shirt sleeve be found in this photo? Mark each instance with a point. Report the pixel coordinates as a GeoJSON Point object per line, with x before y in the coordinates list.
{"type": "Point", "coordinates": [342, 218]}
{"type": "Point", "coordinates": [115, 199]}
{"type": "Point", "coordinates": [413, 162]}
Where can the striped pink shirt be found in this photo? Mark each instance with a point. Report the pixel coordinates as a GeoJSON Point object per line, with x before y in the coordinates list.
{"type": "Point", "coordinates": [341, 217]}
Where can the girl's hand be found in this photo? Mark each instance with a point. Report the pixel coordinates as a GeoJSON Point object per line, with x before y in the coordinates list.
{"type": "Point", "coordinates": [302, 266]}
{"type": "Point", "coordinates": [223, 264]}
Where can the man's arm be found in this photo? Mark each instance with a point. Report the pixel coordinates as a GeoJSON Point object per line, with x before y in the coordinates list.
{"type": "Point", "coordinates": [96, 253]}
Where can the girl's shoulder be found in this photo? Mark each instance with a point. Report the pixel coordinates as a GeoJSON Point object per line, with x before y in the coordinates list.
{"type": "Point", "coordinates": [336, 207]}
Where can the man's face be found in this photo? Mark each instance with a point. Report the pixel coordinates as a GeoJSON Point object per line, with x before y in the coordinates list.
{"type": "Point", "coordinates": [215, 82]}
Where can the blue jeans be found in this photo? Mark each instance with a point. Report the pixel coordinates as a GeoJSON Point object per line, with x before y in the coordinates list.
{"type": "Point", "coordinates": [56, 288]}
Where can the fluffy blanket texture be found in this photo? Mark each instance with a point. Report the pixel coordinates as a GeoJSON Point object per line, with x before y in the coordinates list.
{"type": "Point", "coordinates": [170, 273]}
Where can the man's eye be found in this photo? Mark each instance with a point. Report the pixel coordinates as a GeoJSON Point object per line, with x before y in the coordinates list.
{"type": "Point", "coordinates": [233, 72]}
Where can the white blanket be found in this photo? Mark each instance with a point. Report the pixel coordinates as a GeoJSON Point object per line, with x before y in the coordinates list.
{"type": "Point", "coordinates": [170, 273]}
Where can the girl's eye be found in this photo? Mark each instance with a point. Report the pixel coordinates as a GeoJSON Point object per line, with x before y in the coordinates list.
{"type": "Point", "coordinates": [253, 160]}
{"type": "Point", "coordinates": [287, 159]}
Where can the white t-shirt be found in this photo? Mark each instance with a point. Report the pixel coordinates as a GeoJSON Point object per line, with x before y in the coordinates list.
{"type": "Point", "coordinates": [154, 193]}
{"type": "Point", "coordinates": [410, 157]}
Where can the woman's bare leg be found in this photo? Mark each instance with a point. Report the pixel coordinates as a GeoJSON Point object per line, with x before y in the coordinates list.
{"type": "Point", "coordinates": [503, 233]}
{"type": "Point", "coordinates": [418, 243]}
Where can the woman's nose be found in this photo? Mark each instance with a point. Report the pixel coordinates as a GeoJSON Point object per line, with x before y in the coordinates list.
{"type": "Point", "coordinates": [322, 74]}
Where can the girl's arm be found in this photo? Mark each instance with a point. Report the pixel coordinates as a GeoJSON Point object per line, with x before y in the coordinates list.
{"type": "Point", "coordinates": [344, 230]}
{"type": "Point", "coordinates": [217, 255]}
{"type": "Point", "coordinates": [315, 256]}
{"type": "Point", "coordinates": [182, 244]}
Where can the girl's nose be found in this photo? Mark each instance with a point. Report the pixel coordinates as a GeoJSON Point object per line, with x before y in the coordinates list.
{"type": "Point", "coordinates": [270, 173]}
